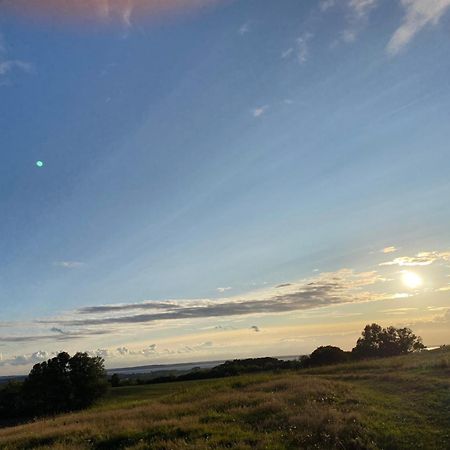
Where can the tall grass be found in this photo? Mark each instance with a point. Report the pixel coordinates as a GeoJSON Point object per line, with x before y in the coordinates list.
{"type": "Point", "coordinates": [366, 405]}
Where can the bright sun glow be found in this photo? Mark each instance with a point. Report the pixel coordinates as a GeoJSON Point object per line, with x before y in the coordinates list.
{"type": "Point", "coordinates": [411, 280]}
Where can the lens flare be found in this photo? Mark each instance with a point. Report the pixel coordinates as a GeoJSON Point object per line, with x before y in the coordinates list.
{"type": "Point", "coordinates": [40, 163]}
{"type": "Point", "coordinates": [103, 11]}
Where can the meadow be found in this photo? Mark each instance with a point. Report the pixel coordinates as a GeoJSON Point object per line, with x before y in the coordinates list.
{"type": "Point", "coordinates": [393, 403]}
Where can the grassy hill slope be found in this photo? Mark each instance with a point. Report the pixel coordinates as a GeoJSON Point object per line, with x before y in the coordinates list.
{"type": "Point", "coordinates": [395, 403]}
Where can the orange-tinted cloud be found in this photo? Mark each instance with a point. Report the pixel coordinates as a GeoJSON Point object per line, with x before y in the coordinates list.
{"type": "Point", "coordinates": [103, 11]}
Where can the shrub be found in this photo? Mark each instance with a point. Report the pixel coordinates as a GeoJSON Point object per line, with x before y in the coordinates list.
{"type": "Point", "coordinates": [325, 355]}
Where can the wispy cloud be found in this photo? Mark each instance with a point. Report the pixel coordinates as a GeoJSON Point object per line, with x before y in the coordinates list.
{"type": "Point", "coordinates": [244, 28]}
{"type": "Point", "coordinates": [125, 351]}
{"type": "Point", "coordinates": [398, 310]}
{"type": "Point", "coordinates": [300, 49]}
{"type": "Point", "coordinates": [8, 66]}
{"type": "Point", "coordinates": [362, 8]}
{"type": "Point", "coordinates": [418, 14]}
{"type": "Point", "coordinates": [344, 286]}
{"type": "Point", "coordinates": [126, 14]}
{"type": "Point", "coordinates": [359, 11]}
{"type": "Point", "coordinates": [311, 295]}
{"type": "Point", "coordinates": [286, 53]}
{"type": "Point", "coordinates": [224, 289]}
{"type": "Point", "coordinates": [260, 110]}
{"type": "Point", "coordinates": [390, 249]}
{"type": "Point", "coordinates": [421, 259]}
{"type": "Point", "coordinates": [325, 5]}
{"type": "Point", "coordinates": [303, 47]}
{"type": "Point", "coordinates": [151, 350]}
{"type": "Point", "coordinates": [57, 335]}
{"type": "Point", "coordinates": [69, 264]}
{"type": "Point", "coordinates": [357, 16]}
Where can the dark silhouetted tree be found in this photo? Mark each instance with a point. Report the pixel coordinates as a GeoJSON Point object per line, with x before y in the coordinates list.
{"type": "Point", "coordinates": [11, 400]}
{"type": "Point", "coordinates": [115, 380]}
{"type": "Point", "coordinates": [368, 345]}
{"type": "Point", "coordinates": [390, 341]}
{"type": "Point", "coordinates": [47, 388]}
{"type": "Point", "coordinates": [87, 379]}
{"type": "Point", "coordinates": [64, 383]}
{"type": "Point", "coordinates": [325, 355]}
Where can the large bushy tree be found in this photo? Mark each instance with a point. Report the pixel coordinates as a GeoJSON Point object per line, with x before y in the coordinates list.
{"type": "Point", "coordinates": [390, 341]}
{"type": "Point", "coordinates": [64, 383]}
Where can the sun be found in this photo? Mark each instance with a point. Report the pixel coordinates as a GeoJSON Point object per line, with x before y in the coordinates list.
{"type": "Point", "coordinates": [411, 280]}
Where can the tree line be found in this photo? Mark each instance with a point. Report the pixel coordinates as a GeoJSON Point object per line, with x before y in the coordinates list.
{"type": "Point", "coordinates": [67, 383]}
{"type": "Point", "coordinates": [374, 342]}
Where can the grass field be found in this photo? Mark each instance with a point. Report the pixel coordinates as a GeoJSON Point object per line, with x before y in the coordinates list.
{"type": "Point", "coordinates": [395, 403]}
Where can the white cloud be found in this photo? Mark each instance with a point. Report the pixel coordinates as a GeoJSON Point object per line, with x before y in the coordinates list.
{"type": "Point", "coordinates": [362, 8]}
{"type": "Point", "coordinates": [69, 264]}
{"type": "Point", "coordinates": [126, 14]}
{"type": "Point", "coordinates": [244, 29]}
{"type": "Point", "coordinates": [7, 66]}
{"type": "Point", "coordinates": [303, 47]}
{"type": "Point", "coordinates": [398, 310]}
{"type": "Point", "coordinates": [125, 351]}
{"type": "Point", "coordinates": [27, 359]}
{"type": "Point", "coordinates": [122, 351]}
{"type": "Point", "coordinates": [286, 53]}
{"type": "Point", "coordinates": [325, 5]}
{"type": "Point", "coordinates": [349, 35]}
{"type": "Point", "coordinates": [418, 14]}
{"type": "Point", "coordinates": [359, 11]}
{"type": "Point", "coordinates": [421, 259]}
{"type": "Point", "coordinates": [259, 111]}
{"type": "Point", "coordinates": [224, 289]}
{"type": "Point", "coordinates": [390, 249]}
{"type": "Point", "coordinates": [102, 352]}
{"type": "Point", "coordinates": [357, 15]}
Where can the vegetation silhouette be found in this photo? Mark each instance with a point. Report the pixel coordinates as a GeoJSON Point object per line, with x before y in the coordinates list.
{"type": "Point", "coordinates": [380, 342]}
{"type": "Point", "coordinates": [374, 342]}
{"type": "Point", "coordinates": [67, 383]}
{"type": "Point", "coordinates": [61, 384]}
{"type": "Point", "coordinates": [322, 356]}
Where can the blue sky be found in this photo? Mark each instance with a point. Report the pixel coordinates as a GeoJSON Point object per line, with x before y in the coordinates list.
{"type": "Point", "coordinates": [206, 154]}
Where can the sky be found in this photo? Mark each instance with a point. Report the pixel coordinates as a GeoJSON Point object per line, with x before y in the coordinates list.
{"type": "Point", "coordinates": [196, 180]}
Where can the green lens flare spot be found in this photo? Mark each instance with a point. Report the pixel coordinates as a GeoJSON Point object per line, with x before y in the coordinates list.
{"type": "Point", "coordinates": [40, 163]}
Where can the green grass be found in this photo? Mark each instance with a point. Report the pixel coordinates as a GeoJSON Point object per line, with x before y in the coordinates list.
{"type": "Point", "coordinates": [396, 403]}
